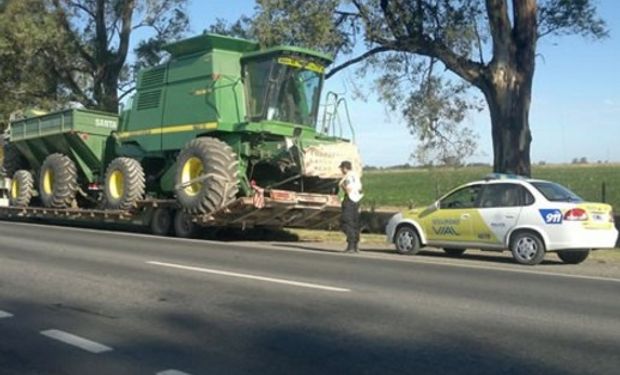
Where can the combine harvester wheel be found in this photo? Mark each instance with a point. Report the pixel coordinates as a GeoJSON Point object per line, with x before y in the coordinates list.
{"type": "Point", "coordinates": [206, 176]}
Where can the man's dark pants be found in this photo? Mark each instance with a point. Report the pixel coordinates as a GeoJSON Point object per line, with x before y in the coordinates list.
{"type": "Point", "coordinates": [350, 222]}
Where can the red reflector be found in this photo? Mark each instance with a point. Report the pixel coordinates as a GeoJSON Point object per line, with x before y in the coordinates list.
{"type": "Point", "coordinates": [282, 195]}
{"type": "Point", "coordinates": [576, 214]}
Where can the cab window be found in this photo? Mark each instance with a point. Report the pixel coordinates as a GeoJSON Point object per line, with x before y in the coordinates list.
{"type": "Point", "coordinates": [505, 195]}
{"type": "Point", "coordinates": [466, 197]}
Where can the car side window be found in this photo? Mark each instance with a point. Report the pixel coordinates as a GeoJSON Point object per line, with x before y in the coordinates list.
{"type": "Point", "coordinates": [505, 195]}
{"type": "Point", "coordinates": [466, 197]}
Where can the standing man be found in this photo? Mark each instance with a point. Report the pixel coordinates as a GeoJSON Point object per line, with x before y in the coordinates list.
{"type": "Point", "coordinates": [351, 185]}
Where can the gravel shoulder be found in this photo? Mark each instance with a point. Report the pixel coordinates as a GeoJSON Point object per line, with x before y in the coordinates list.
{"type": "Point", "coordinates": [600, 263]}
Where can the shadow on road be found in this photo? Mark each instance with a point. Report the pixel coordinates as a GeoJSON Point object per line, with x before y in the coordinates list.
{"type": "Point", "coordinates": [252, 339]}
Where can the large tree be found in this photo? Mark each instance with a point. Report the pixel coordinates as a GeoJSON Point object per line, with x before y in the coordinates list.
{"type": "Point", "coordinates": [25, 77]}
{"type": "Point", "coordinates": [100, 31]}
{"type": "Point", "coordinates": [56, 51]}
{"type": "Point", "coordinates": [490, 45]}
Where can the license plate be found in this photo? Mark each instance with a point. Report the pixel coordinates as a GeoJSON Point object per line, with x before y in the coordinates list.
{"type": "Point", "coordinates": [598, 217]}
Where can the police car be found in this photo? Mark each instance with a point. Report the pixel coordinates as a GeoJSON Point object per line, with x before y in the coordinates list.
{"type": "Point", "coordinates": [529, 217]}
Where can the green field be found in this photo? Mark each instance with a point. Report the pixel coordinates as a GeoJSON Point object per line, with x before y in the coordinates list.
{"type": "Point", "coordinates": [419, 187]}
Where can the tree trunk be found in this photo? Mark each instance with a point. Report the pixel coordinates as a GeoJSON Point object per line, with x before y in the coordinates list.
{"type": "Point", "coordinates": [106, 91]}
{"type": "Point", "coordinates": [508, 95]}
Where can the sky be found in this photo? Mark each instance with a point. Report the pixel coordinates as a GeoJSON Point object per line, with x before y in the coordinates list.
{"type": "Point", "coordinates": [575, 108]}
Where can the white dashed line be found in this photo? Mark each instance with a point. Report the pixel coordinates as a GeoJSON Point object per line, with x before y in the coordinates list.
{"type": "Point", "coordinates": [4, 314]}
{"type": "Point", "coordinates": [172, 372]}
{"type": "Point", "coordinates": [251, 277]}
{"type": "Point", "coordinates": [80, 342]}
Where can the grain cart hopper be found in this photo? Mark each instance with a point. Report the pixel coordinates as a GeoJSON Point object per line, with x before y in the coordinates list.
{"type": "Point", "coordinates": [205, 129]}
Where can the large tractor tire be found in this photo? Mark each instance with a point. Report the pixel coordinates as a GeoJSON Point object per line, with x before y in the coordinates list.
{"type": "Point", "coordinates": [206, 175]}
{"type": "Point", "coordinates": [58, 181]}
{"type": "Point", "coordinates": [22, 189]}
{"type": "Point", "coordinates": [12, 160]}
{"type": "Point", "coordinates": [124, 184]}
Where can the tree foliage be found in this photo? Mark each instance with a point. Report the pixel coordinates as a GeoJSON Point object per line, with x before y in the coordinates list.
{"type": "Point", "coordinates": [79, 50]}
{"type": "Point", "coordinates": [410, 44]}
{"type": "Point", "coordinates": [99, 32]}
{"type": "Point", "coordinates": [25, 78]}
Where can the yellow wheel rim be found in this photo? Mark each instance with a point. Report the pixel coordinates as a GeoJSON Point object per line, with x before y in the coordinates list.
{"type": "Point", "coordinates": [48, 181]}
{"type": "Point", "coordinates": [14, 188]}
{"type": "Point", "coordinates": [116, 184]}
{"type": "Point", "coordinates": [192, 169]}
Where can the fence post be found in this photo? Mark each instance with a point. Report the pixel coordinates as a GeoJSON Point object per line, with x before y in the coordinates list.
{"type": "Point", "coordinates": [603, 192]}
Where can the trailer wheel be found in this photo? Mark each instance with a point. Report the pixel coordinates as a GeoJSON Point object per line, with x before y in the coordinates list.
{"type": "Point", "coordinates": [161, 222]}
{"type": "Point", "coordinates": [206, 175]}
{"type": "Point", "coordinates": [58, 181]}
{"type": "Point", "coordinates": [12, 160]}
{"type": "Point", "coordinates": [184, 227]}
{"type": "Point", "coordinates": [22, 188]}
{"type": "Point", "coordinates": [124, 184]}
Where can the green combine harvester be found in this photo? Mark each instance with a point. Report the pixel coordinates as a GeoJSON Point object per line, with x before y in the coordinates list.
{"type": "Point", "coordinates": [219, 123]}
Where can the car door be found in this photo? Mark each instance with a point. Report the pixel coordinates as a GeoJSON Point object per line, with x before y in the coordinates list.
{"type": "Point", "coordinates": [451, 224]}
{"type": "Point", "coordinates": [499, 210]}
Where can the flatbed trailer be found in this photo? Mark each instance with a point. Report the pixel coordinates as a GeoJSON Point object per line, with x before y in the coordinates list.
{"type": "Point", "coordinates": [274, 209]}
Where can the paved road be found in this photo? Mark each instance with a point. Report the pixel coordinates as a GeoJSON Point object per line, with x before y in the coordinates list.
{"type": "Point", "coordinates": [87, 302]}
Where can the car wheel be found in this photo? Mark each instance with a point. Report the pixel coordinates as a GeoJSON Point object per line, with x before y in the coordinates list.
{"type": "Point", "coordinates": [407, 241]}
{"type": "Point", "coordinates": [527, 248]}
{"type": "Point", "coordinates": [454, 252]}
{"type": "Point", "coordinates": [573, 256]}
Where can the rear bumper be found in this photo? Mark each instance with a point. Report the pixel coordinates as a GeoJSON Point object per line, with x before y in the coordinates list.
{"type": "Point", "coordinates": [585, 239]}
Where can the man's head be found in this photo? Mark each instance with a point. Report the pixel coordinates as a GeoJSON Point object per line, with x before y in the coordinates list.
{"type": "Point", "coordinates": [345, 166]}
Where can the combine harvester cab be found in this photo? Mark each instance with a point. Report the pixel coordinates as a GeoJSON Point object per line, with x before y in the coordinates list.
{"type": "Point", "coordinates": [224, 133]}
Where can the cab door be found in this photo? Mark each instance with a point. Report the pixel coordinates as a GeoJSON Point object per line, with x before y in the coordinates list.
{"type": "Point", "coordinates": [452, 222]}
{"type": "Point", "coordinates": [499, 211]}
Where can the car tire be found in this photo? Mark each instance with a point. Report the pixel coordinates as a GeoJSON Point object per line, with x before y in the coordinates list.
{"type": "Point", "coordinates": [407, 240]}
{"type": "Point", "coordinates": [573, 256]}
{"type": "Point", "coordinates": [527, 248]}
{"type": "Point", "coordinates": [453, 252]}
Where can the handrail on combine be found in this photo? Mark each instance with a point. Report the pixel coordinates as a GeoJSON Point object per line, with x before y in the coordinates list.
{"type": "Point", "coordinates": [331, 119]}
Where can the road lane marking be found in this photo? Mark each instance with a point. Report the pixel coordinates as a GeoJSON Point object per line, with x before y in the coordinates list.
{"type": "Point", "coordinates": [388, 257]}
{"type": "Point", "coordinates": [172, 372]}
{"type": "Point", "coordinates": [250, 277]}
{"type": "Point", "coordinates": [4, 314]}
{"type": "Point", "coordinates": [80, 342]}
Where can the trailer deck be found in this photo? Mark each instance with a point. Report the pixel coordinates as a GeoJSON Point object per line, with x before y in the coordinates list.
{"type": "Point", "coordinates": [278, 208]}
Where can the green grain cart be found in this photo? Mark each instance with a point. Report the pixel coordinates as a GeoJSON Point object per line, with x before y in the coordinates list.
{"type": "Point", "coordinates": [217, 123]}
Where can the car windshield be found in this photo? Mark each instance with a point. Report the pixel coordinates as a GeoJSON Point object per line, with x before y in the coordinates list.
{"type": "Point", "coordinates": [284, 89]}
{"type": "Point", "coordinates": [556, 192]}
